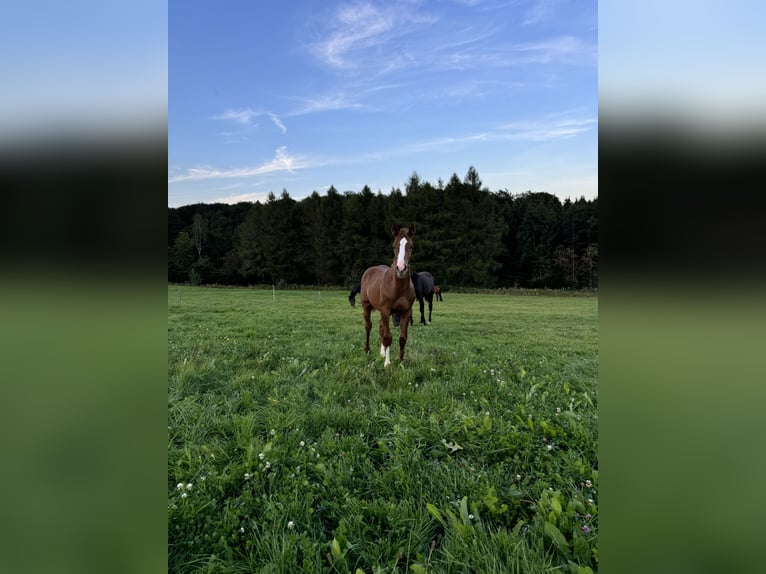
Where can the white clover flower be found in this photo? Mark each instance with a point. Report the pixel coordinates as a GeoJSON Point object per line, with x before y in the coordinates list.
{"type": "Point", "coordinates": [291, 525]}
{"type": "Point", "coordinates": [558, 410]}
{"type": "Point", "coordinates": [203, 477]}
{"type": "Point", "coordinates": [487, 413]}
{"type": "Point", "coordinates": [302, 443]}
{"type": "Point", "coordinates": [549, 447]}
{"type": "Point", "coordinates": [242, 530]}
{"type": "Point", "coordinates": [261, 456]}
{"type": "Point", "coordinates": [248, 476]}
{"type": "Point", "coordinates": [268, 464]}
{"type": "Point", "coordinates": [590, 501]}
{"type": "Point", "coordinates": [518, 477]}
{"type": "Point", "coordinates": [272, 432]}
{"type": "Point", "coordinates": [588, 483]}
{"type": "Point", "coordinates": [470, 517]}
{"type": "Point", "coordinates": [179, 486]}
{"type": "Point", "coordinates": [184, 495]}
{"type": "Point", "coordinates": [189, 486]}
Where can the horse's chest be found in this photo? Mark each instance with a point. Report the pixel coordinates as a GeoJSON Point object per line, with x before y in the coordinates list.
{"type": "Point", "coordinates": [403, 303]}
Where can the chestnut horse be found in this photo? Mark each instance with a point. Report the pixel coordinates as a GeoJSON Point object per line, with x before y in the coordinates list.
{"type": "Point", "coordinates": [423, 282]}
{"type": "Point", "coordinates": [389, 289]}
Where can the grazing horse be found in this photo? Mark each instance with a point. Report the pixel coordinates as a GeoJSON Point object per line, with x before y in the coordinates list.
{"type": "Point", "coordinates": [437, 292]}
{"type": "Point", "coordinates": [389, 289]}
{"type": "Point", "coordinates": [352, 296]}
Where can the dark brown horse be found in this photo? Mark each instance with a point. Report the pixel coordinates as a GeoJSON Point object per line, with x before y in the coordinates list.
{"type": "Point", "coordinates": [423, 282]}
{"type": "Point", "coordinates": [389, 289]}
{"type": "Point", "coordinates": [438, 293]}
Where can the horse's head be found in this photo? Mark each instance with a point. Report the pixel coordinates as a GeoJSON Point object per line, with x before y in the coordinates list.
{"type": "Point", "coordinates": [402, 249]}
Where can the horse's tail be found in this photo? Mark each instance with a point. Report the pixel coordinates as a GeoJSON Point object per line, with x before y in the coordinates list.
{"type": "Point", "coordinates": [352, 296]}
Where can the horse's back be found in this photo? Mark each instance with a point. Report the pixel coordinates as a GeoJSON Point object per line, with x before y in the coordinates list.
{"type": "Point", "coordinates": [373, 274]}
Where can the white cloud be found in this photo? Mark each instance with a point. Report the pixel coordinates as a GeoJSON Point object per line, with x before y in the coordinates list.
{"type": "Point", "coordinates": [325, 104]}
{"type": "Point", "coordinates": [370, 38]}
{"type": "Point", "coordinates": [356, 27]}
{"type": "Point", "coordinates": [245, 116]}
{"type": "Point", "coordinates": [277, 122]}
{"type": "Point", "coordinates": [252, 197]}
{"type": "Point", "coordinates": [563, 48]}
{"type": "Point", "coordinates": [546, 129]}
{"type": "Point", "coordinates": [282, 161]}
{"type": "Point", "coordinates": [540, 11]}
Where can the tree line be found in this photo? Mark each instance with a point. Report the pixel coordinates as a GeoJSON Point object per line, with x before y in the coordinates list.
{"type": "Point", "coordinates": [466, 235]}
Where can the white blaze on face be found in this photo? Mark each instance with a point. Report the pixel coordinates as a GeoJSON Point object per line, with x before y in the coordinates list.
{"type": "Point", "coordinates": [400, 258]}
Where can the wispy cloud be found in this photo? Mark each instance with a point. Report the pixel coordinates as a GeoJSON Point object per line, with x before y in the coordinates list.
{"type": "Point", "coordinates": [368, 37]}
{"type": "Point", "coordinates": [568, 49]}
{"type": "Point", "coordinates": [244, 117]}
{"type": "Point", "coordinates": [359, 26]}
{"type": "Point", "coordinates": [326, 103]}
{"type": "Point", "coordinates": [277, 122]}
{"type": "Point", "coordinates": [282, 161]}
{"type": "Point", "coordinates": [540, 11]}
{"type": "Point", "coordinates": [547, 129]}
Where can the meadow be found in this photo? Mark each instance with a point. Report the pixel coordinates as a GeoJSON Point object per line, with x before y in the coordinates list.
{"type": "Point", "coordinates": [290, 450]}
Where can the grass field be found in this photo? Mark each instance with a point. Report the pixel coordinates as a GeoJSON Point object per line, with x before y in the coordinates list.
{"type": "Point", "coordinates": [289, 450]}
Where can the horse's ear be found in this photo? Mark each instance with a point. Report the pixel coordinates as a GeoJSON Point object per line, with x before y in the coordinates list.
{"type": "Point", "coordinates": [394, 230]}
{"type": "Point", "coordinates": [412, 230]}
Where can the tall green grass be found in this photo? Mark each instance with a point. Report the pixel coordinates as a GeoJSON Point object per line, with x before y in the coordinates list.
{"type": "Point", "coordinates": [477, 454]}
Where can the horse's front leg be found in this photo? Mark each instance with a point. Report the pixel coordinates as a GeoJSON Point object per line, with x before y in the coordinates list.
{"type": "Point", "coordinates": [422, 315]}
{"type": "Point", "coordinates": [430, 306]}
{"type": "Point", "coordinates": [403, 326]}
{"type": "Point", "coordinates": [385, 338]}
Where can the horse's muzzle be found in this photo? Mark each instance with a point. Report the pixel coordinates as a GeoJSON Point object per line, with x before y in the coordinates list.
{"type": "Point", "coordinates": [403, 273]}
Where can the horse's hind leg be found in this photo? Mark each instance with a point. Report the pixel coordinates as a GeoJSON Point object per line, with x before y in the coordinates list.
{"type": "Point", "coordinates": [422, 315]}
{"type": "Point", "coordinates": [367, 309]}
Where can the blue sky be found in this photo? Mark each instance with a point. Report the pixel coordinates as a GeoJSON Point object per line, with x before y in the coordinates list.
{"type": "Point", "coordinates": [301, 95]}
